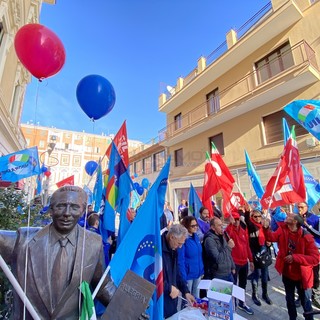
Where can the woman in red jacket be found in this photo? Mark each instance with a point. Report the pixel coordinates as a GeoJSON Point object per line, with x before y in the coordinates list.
{"type": "Point", "coordinates": [295, 260]}
{"type": "Point", "coordinates": [241, 255]}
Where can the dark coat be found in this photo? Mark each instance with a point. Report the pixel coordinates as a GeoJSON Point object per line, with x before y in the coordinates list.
{"type": "Point", "coordinates": [13, 247]}
{"type": "Point", "coordinates": [171, 277]}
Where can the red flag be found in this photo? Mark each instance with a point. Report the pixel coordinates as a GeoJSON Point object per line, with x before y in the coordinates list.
{"type": "Point", "coordinates": [286, 186]}
{"type": "Point", "coordinates": [66, 182]}
{"type": "Point", "coordinates": [217, 178]}
{"type": "Point", "coordinates": [121, 142]}
{"type": "Point", "coordinates": [232, 201]}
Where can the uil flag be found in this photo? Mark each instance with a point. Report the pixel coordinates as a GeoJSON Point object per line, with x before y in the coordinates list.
{"type": "Point", "coordinates": [255, 179]}
{"type": "Point", "coordinates": [121, 142]}
{"type": "Point", "coordinates": [286, 186]}
{"type": "Point", "coordinates": [141, 250]}
{"type": "Point", "coordinates": [97, 190]}
{"type": "Point", "coordinates": [306, 113]}
{"type": "Point", "coordinates": [18, 165]}
{"type": "Point", "coordinates": [312, 187]}
{"type": "Point", "coordinates": [66, 182]}
{"type": "Point", "coordinates": [194, 202]}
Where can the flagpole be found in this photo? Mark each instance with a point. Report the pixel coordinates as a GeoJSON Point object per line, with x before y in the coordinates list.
{"type": "Point", "coordinates": [100, 282]}
{"type": "Point", "coordinates": [18, 289]}
{"type": "Point", "coordinates": [274, 187]}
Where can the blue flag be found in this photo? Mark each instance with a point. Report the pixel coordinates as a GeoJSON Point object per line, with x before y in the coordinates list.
{"type": "Point", "coordinates": [312, 187]}
{"type": "Point", "coordinates": [89, 194]}
{"type": "Point", "coordinates": [194, 202]}
{"type": "Point", "coordinates": [97, 190]}
{"type": "Point", "coordinates": [286, 131]}
{"type": "Point", "coordinates": [18, 165]}
{"type": "Point", "coordinates": [307, 114]}
{"type": "Point", "coordinates": [255, 179]}
{"type": "Point", "coordinates": [141, 250]}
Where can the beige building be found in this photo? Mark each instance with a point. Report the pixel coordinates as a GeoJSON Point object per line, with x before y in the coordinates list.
{"type": "Point", "coordinates": [235, 98]}
{"type": "Point", "coordinates": [13, 76]}
{"type": "Point", "coordinates": [66, 153]}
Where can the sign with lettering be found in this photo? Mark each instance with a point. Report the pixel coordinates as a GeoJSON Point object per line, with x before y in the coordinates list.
{"type": "Point", "coordinates": [131, 298]}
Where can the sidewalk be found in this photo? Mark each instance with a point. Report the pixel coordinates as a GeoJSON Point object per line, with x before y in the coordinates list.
{"type": "Point", "coordinates": [277, 311]}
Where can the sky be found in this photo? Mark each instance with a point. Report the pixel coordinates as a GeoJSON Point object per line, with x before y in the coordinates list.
{"type": "Point", "coordinates": [140, 46]}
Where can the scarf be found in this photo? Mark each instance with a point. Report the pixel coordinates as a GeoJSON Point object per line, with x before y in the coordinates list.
{"type": "Point", "coordinates": [261, 237]}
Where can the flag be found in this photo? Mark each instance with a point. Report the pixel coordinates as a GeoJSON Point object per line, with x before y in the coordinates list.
{"type": "Point", "coordinates": [306, 113]}
{"type": "Point", "coordinates": [312, 187]}
{"type": "Point", "coordinates": [121, 142]}
{"type": "Point", "coordinates": [87, 311]}
{"type": "Point", "coordinates": [115, 169]}
{"type": "Point", "coordinates": [134, 199]}
{"type": "Point", "coordinates": [39, 184]}
{"type": "Point", "coordinates": [18, 165]}
{"type": "Point", "coordinates": [194, 202]}
{"type": "Point", "coordinates": [286, 186]}
{"type": "Point", "coordinates": [97, 190]}
{"type": "Point", "coordinates": [66, 182]}
{"type": "Point", "coordinates": [217, 178]}
{"type": "Point", "coordinates": [89, 194]}
{"type": "Point", "coordinates": [286, 130]}
{"type": "Point", "coordinates": [140, 250]}
{"type": "Point", "coordinates": [255, 179]}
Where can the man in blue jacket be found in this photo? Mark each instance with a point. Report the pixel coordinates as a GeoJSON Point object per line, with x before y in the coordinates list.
{"type": "Point", "coordinates": [173, 284]}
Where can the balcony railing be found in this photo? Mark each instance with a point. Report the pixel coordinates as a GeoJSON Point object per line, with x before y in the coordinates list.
{"type": "Point", "coordinates": [299, 55]}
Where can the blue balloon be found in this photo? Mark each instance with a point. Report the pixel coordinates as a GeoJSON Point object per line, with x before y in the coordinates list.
{"type": "Point", "coordinates": [96, 96]}
{"type": "Point", "coordinates": [90, 167]}
{"type": "Point", "coordinates": [145, 183]}
{"type": "Point", "coordinates": [136, 185]}
{"type": "Point", "coordinates": [140, 191]}
{"type": "Point", "coordinates": [44, 169]}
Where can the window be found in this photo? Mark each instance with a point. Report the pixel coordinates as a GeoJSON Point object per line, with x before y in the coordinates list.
{"type": "Point", "coordinates": [213, 101]}
{"type": "Point", "coordinates": [274, 63]}
{"type": "Point", "coordinates": [178, 121]}
{"type": "Point", "coordinates": [158, 161]}
{"type": "Point", "coordinates": [97, 149]}
{"type": "Point", "coordinates": [1, 33]}
{"type": "Point", "coordinates": [64, 160]}
{"type": "Point", "coordinates": [41, 144]}
{"type": "Point", "coordinates": [273, 126]}
{"type": "Point", "coordinates": [15, 102]}
{"type": "Point", "coordinates": [138, 167]}
{"type": "Point", "coordinates": [178, 157]}
{"type": "Point", "coordinates": [77, 161]}
{"type": "Point", "coordinates": [218, 142]}
{"type": "Point", "coordinates": [66, 146]}
{"type": "Point", "coordinates": [28, 141]}
{"type": "Point", "coordinates": [53, 159]}
{"type": "Point", "coordinates": [147, 165]}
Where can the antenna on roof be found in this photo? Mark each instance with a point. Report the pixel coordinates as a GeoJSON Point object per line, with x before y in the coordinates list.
{"type": "Point", "coordinates": [171, 90]}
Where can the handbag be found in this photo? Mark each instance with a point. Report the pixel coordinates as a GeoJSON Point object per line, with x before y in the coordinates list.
{"type": "Point", "coordinates": [262, 259]}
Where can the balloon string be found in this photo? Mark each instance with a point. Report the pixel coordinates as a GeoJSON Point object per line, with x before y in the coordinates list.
{"type": "Point", "coordinates": [35, 114]}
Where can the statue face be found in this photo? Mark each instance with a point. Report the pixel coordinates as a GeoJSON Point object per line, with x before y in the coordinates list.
{"type": "Point", "coordinates": [66, 209]}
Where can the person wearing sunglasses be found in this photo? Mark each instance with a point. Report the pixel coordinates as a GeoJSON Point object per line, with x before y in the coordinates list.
{"type": "Point", "coordinates": [258, 245]}
{"type": "Point", "coordinates": [190, 256]}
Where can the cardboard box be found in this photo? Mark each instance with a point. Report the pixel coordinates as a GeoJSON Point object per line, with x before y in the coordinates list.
{"type": "Point", "coordinates": [221, 303]}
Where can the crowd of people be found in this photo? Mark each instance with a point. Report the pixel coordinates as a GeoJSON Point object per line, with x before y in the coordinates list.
{"type": "Point", "coordinates": [239, 249]}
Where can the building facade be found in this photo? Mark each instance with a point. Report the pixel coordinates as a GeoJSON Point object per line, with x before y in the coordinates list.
{"type": "Point", "coordinates": [13, 76]}
{"type": "Point", "coordinates": [65, 153]}
{"type": "Point", "coordinates": [235, 96]}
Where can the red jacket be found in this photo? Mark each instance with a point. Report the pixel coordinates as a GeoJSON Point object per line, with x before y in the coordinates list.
{"type": "Point", "coordinates": [305, 256]}
{"type": "Point", "coordinates": [241, 251]}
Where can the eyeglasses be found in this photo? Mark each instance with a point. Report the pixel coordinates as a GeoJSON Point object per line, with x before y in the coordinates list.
{"type": "Point", "coordinates": [193, 226]}
{"type": "Point", "coordinates": [257, 217]}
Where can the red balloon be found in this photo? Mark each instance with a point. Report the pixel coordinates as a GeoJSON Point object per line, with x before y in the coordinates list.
{"type": "Point", "coordinates": [47, 174]}
{"type": "Point", "coordinates": [40, 50]}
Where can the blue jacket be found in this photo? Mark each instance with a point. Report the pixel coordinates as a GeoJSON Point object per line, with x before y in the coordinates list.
{"type": "Point", "coordinates": [190, 258]}
{"type": "Point", "coordinates": [171, 277]}
{"type": "Point", "coordinates": [313, 221]}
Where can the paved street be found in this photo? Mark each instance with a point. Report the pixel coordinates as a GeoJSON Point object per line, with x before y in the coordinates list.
{"type": "Point", "coordinates": [276, 293]}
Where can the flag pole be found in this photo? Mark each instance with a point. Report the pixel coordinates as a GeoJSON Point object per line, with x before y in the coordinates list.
{"type": "Point", "coordinates": [100, 282]}
{"type": "Point", "coordinates": [18, 289]}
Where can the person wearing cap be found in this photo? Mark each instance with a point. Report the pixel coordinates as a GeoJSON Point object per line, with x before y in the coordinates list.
{"type": "Point", "coordinates": [241, 255]}
{"type": "Point", "coordinates": [295, 260]}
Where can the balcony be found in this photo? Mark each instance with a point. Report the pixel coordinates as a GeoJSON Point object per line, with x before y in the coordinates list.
{"type": "Point", "coordinates": [247, 93]}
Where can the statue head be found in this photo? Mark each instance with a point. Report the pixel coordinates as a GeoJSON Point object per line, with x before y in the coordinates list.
{"type": "Point", "coordinates": [67, 204]}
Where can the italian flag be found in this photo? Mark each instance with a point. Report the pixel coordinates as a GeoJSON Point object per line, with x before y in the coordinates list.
{"type": "Point", "coordinates": [88, 311]}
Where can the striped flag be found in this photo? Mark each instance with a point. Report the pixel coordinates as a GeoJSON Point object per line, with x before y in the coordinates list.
{"type": "Point", "coordinates": [87, 311]}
